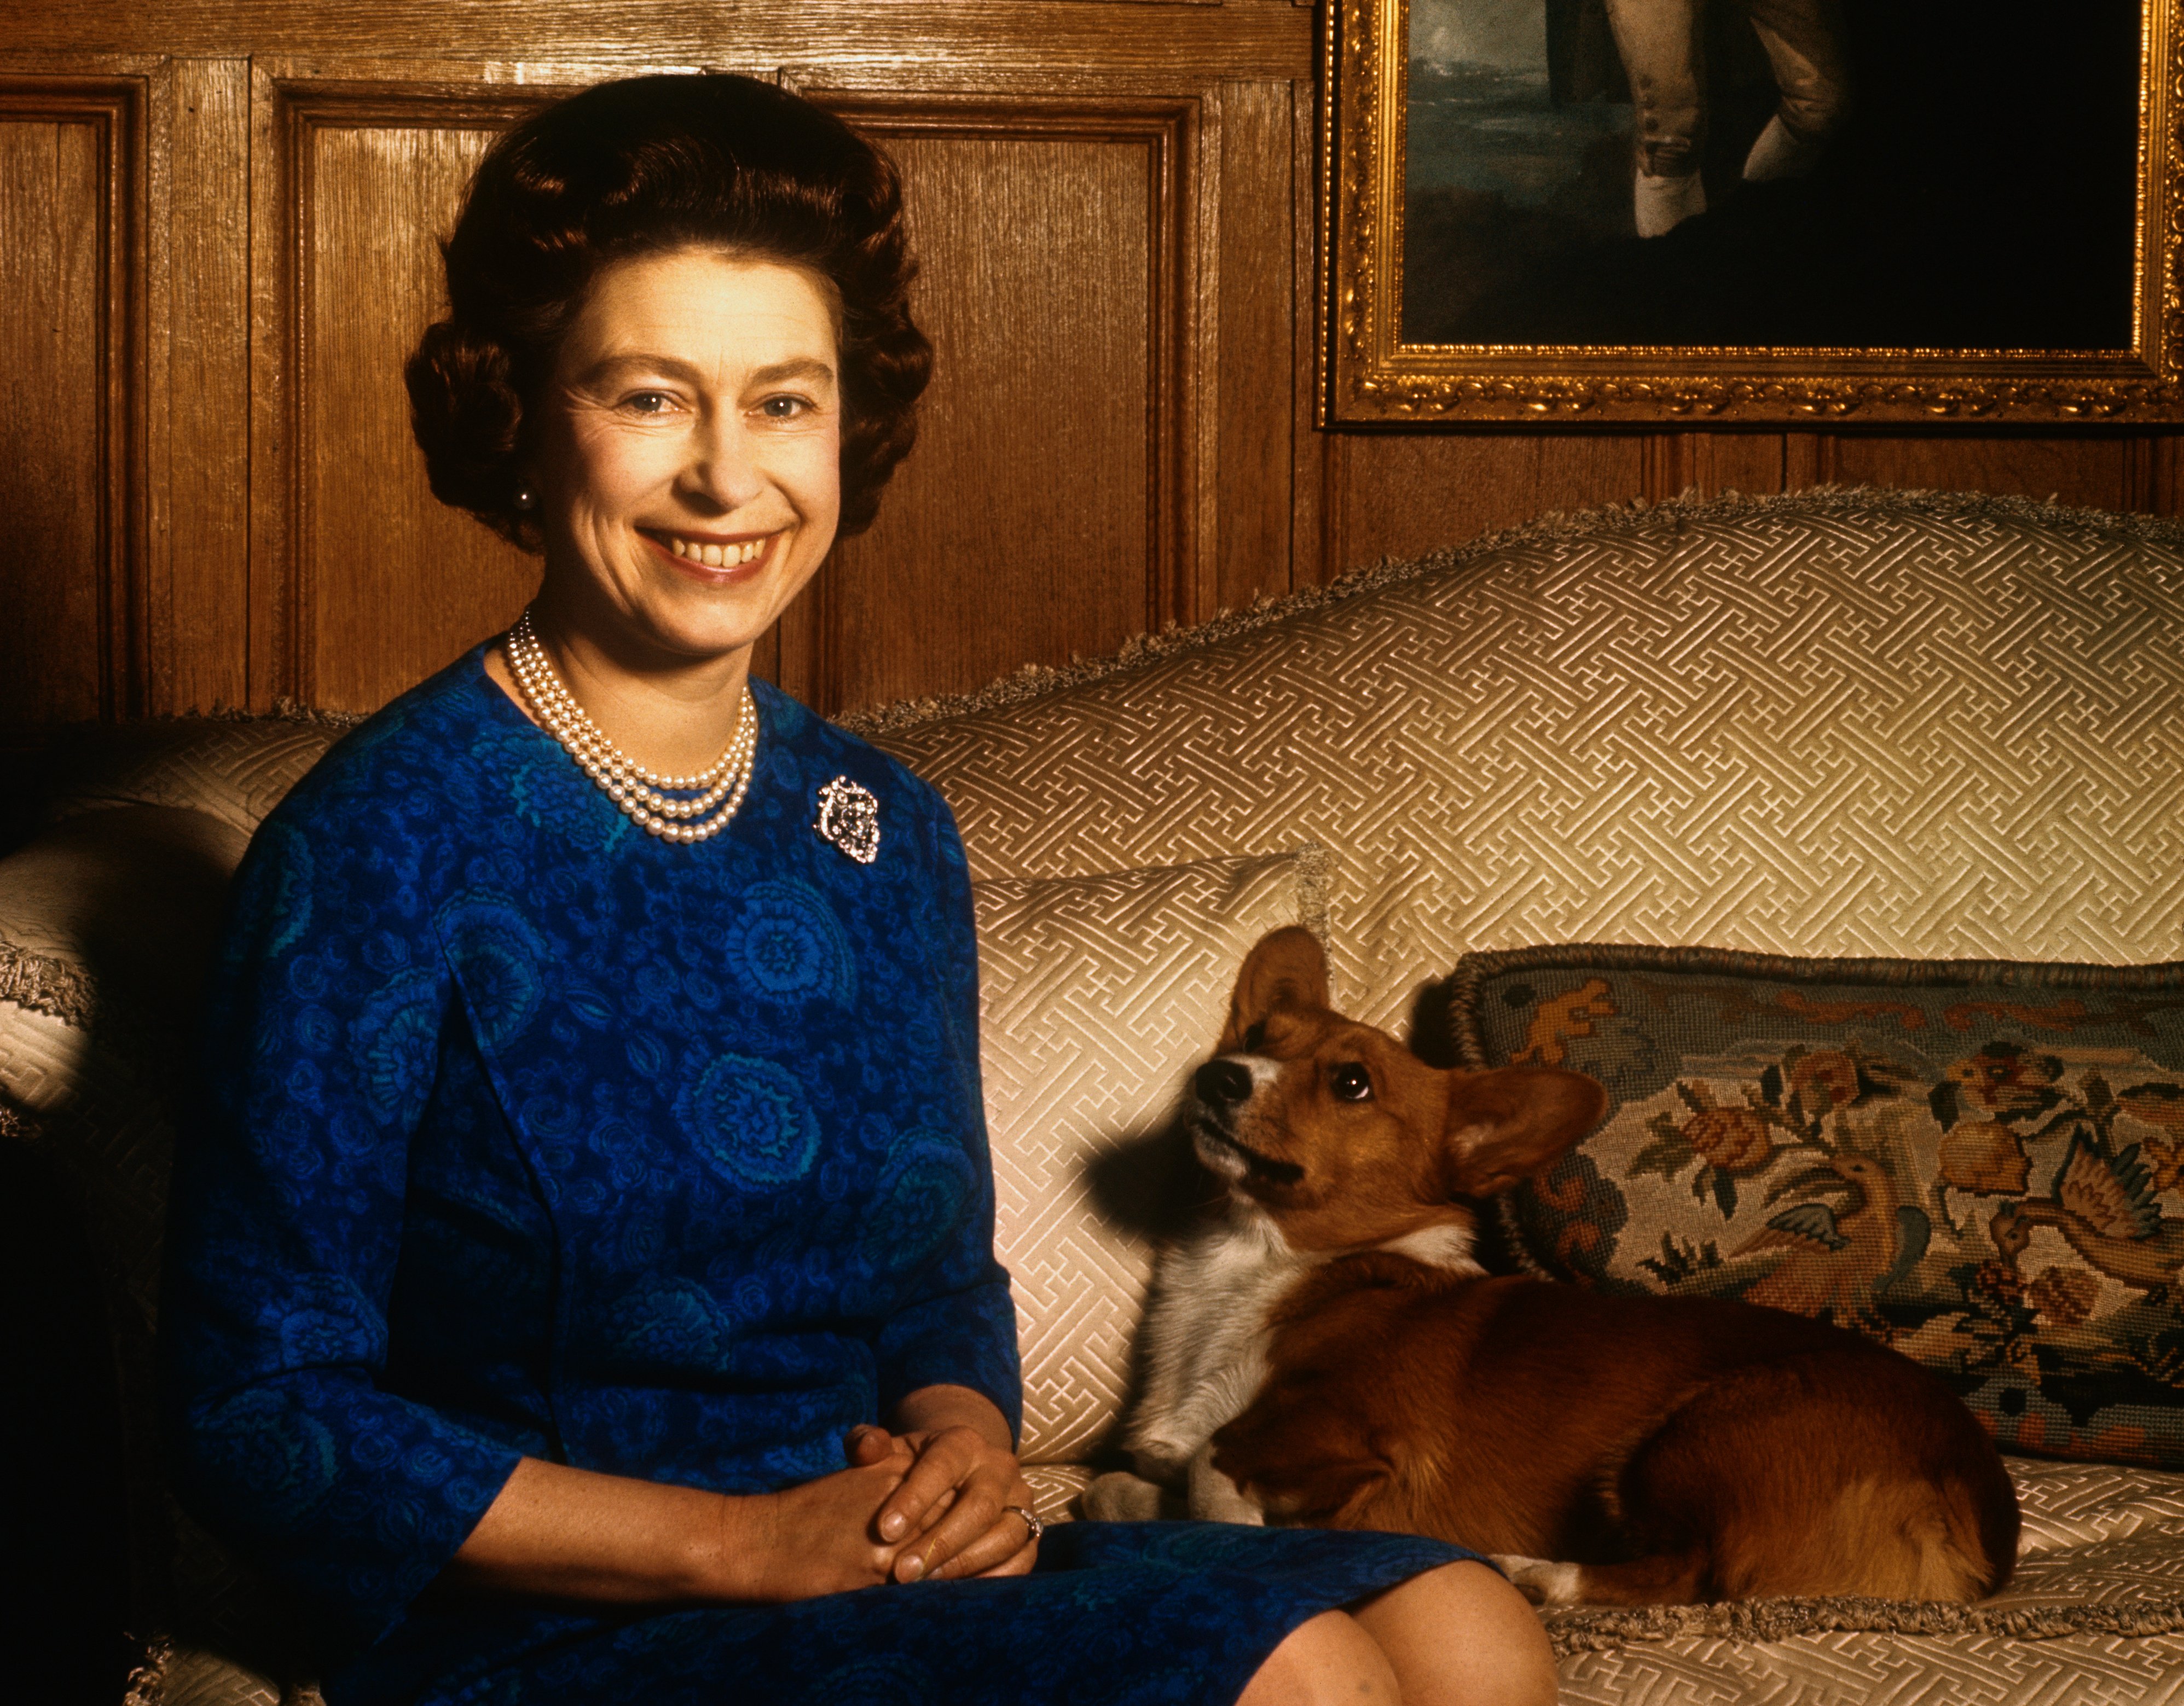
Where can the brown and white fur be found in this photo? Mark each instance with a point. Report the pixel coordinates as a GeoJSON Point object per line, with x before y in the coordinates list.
{"type": "Point", "coordinates": [1324, 1350]}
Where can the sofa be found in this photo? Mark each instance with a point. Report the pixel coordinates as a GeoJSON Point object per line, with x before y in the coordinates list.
{"type": "Point", "coordinates": [1844, 723]}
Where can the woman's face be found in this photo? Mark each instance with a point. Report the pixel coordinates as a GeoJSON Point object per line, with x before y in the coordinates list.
{"type": "Point", "coordinates": [687, 453]}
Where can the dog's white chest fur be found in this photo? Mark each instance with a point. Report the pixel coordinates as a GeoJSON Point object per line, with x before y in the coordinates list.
{"type": "Point", "coordinates": [1206, 1338]}
{"type": "Point", "coordinates": [1206, 1356]}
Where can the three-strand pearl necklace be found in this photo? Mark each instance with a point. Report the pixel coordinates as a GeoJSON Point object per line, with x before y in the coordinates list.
{"type": "Point", "coordinates": [647, 800]}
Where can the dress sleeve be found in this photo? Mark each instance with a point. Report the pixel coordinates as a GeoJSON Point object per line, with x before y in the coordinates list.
{"type": "Point", "coordinates": [962, 1332]}
{"type": "Point", "coordinates": [322, 1033]}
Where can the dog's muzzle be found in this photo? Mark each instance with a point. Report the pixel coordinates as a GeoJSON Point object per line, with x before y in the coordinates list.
{"type": "Point", "coordinates": [1222, 1086]}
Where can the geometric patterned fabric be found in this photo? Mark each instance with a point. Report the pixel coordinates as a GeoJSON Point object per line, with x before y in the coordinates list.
{"type": "Point", "coordinates": [1980, 1164]}
{"type": "Point", "coordinates": [1837, 723]}
{"type": "Point", "coordinates": [1098, 998]}
{"type": "Point", "coordinates": [1852, 1668]}
{"type": "Point", "coordinates": [2097, 1535]}
{"type": "Point", "coordinates": [235, 770]}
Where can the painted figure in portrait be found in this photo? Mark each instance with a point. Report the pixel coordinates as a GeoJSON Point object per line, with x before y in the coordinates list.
{"type": "Point", "coordinates": [1825, 173]}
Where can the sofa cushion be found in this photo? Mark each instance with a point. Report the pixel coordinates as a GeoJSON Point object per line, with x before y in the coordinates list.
{"type": "Point", "coordinates": [107, 931]}
{"type": "Point", "coordinates": [110, 920]}
{"type": "Point", "coordinates": [1851, 722]}
{"type": "Point", "coordinates": [233, 769]}
{"type": "Point", "coordinates": [1098, 996]}
{"type": "Point", "coordinates": [1980, 1164]}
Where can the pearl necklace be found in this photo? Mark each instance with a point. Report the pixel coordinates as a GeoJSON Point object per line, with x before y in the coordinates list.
{"type": "Point", "coordinates": [637, 791]}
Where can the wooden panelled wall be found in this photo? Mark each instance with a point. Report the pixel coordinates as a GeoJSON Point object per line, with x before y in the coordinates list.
{"type": "Point", "coordinates": [217, 224]}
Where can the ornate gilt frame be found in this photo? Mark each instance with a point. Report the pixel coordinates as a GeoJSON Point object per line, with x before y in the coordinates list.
{"type": "Point", "coordinates": [1370, 377]}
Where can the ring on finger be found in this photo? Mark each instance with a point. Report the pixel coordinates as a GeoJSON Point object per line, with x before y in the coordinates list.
{"type": "Point", "coordinates": [1031, 1520]}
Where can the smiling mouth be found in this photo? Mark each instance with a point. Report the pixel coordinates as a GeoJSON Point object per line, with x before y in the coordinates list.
{"type": "Point", "coordinates": [1259, 1166]}
{"type": "Point", "coordinates": [712, 553]}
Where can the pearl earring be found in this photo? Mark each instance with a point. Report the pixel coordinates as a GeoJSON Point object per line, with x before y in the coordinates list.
{"type": "Point", "coordinates": [526, 499]}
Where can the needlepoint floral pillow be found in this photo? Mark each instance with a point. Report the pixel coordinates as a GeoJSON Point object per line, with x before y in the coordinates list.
{"type": "Point", "coordinates": [1979, 1163]}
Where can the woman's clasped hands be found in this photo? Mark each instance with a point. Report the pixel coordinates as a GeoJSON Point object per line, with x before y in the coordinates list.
{"type": "Point", "coordinates": [930, 1502]}
{"type": "Point", "coordinates": [951, 1516]}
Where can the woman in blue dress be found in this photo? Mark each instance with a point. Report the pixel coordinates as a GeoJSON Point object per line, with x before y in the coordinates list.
{"type": "Point", "coordinates": [581, 1285]}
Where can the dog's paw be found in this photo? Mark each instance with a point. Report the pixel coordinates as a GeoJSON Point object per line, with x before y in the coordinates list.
{"type": "Point", "coordinates": [1213, 1497]}
{"type": "Point", "coordinates": [1540, 1581]}
{"type": "Point", "coordinates": [1122, 1496]}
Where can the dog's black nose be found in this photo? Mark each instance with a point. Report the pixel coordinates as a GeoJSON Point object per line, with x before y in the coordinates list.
{"type": "Point", "coordinates": [1223, 1083]}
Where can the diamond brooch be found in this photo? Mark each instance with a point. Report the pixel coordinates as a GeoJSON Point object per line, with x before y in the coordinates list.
{"type": "Point", "coordinates": [850, 817]}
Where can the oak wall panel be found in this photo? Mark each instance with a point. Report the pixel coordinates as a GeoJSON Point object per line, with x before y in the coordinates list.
{"type": "Point", "coordinates": [69, 291]}
{"type": "Point", "coordinates": [1263, 340]}
{"type": "Point", "coordinates": [1401, 495]}
{"type": "Point", "coordinates": [385, 583]}
{"type": "Point", "coordinates": [1048, 509]}
{"type": "Point", "coordinates": [2090, 470]}
{"type": "Point", "coordinates": [197, 610]}
{"type": "Point", "coordinates": [1712, 463]}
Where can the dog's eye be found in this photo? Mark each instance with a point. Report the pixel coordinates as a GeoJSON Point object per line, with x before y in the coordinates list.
{"type": "Point", "coordinates": [1255, 1039]}
{"type": "Point", "coordinates": [1350, 1083]}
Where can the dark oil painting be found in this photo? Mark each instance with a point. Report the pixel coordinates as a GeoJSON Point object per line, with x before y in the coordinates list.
{"type": "Point", "coordinates": [1831, 174]}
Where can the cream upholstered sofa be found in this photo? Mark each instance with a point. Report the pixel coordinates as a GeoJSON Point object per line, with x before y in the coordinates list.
{"type": "Point", "coordinates": [1842, 723]}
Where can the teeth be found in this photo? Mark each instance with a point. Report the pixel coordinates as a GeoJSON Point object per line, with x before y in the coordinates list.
{"type": "Point", "coordinates": [717, 555]}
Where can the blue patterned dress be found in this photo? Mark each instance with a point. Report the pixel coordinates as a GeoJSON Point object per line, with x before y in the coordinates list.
{"type": "Point", "coordinates": [527, 1134]}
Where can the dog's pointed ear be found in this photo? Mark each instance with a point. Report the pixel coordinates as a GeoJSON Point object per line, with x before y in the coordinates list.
{"type": "Point", "coordinates": [1509, 1124]}
{"type": "Point", "coordinates": [1287, 969]}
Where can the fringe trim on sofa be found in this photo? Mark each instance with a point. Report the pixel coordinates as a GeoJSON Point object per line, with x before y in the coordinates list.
{"type": "Point", "coordinates": [1315, 874]}
{"type": "Point", "coordinates": [147, 1682]}
{"type": "Point", "coordinates": [1582, 1629]}
{"type": "Point", "coordinates": [50, 986]}
{"type": "Point", "coordinates": [59, 990]}
{"type": "Point", "coordinates": [283, 711]}
{"type": "Point", "coordinates": [1036, 680]}
{"type": "Point", "coordinates": [230, 1685]}
{"type": "Point", "coordinates": [17, 1126]}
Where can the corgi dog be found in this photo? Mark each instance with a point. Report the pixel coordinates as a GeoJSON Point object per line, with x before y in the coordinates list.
{"type": "Point", "coordinates": [1324, 1350]}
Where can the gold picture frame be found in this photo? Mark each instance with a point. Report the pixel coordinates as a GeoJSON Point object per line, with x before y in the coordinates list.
{"type": "Point", "coordinates": [1373, 376]}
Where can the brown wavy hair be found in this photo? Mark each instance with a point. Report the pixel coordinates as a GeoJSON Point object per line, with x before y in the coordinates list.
{"type": "Point", "coordinates": [635, 167]}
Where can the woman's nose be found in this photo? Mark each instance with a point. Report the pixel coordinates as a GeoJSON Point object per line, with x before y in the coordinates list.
{"type": "Point", "coordinates": [722, 473]}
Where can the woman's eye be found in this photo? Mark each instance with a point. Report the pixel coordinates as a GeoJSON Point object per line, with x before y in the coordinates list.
{"type": "Point", "coordinates": [783, 407]}
{"type": "Point", "coordinates": [649, 402]}
{"type": "Point", "coordinates": [1350, 1083]}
